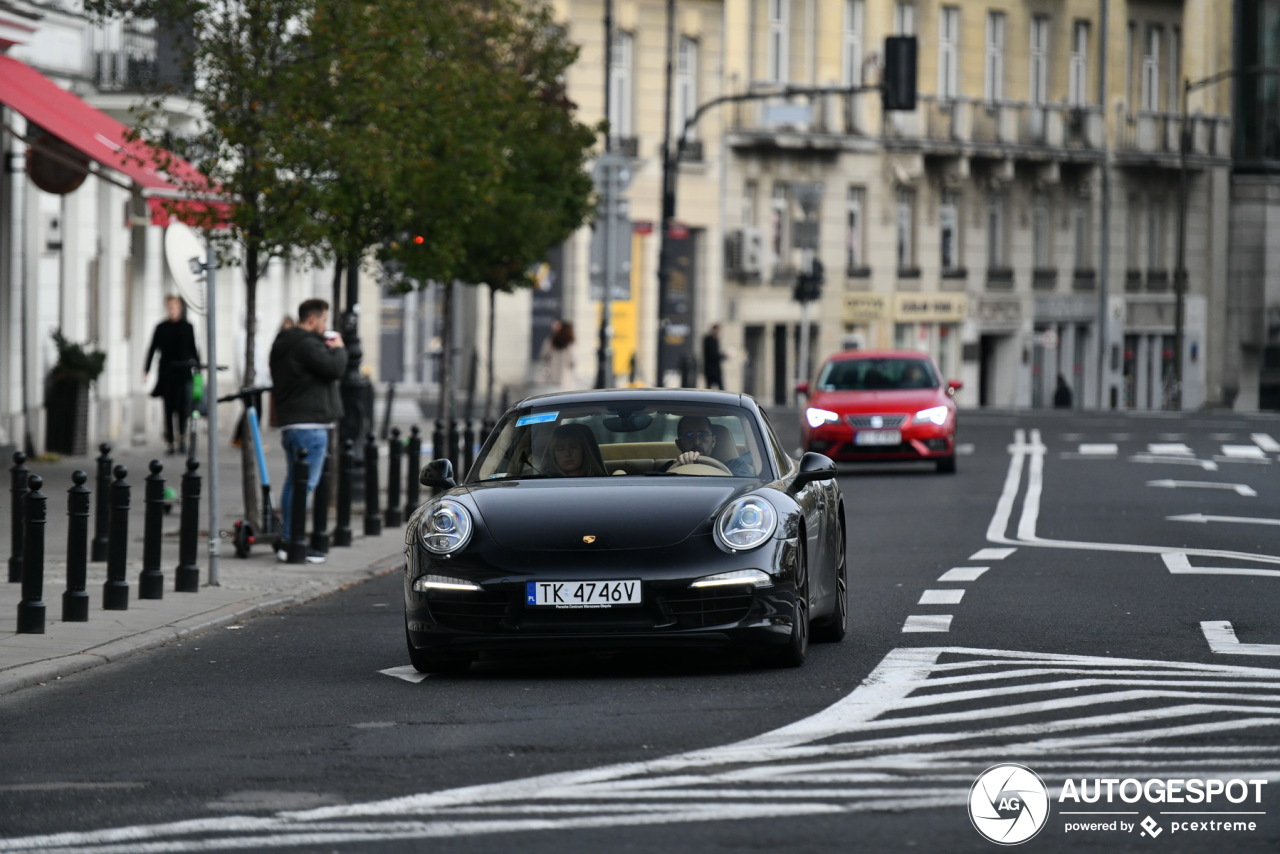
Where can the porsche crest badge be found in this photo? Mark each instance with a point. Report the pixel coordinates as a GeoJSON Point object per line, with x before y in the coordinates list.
{"type": "Point", "coordinates": [589, 539]}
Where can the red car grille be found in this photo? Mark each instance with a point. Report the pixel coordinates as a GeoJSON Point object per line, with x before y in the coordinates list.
{"type": "Point", "coordinates": [875, 422]}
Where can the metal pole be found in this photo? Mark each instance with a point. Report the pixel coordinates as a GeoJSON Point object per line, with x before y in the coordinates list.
{"type": "Point", "coordinates": [211, 395]}
{"type": "Point", "coordinates": [670, 163]}
{"type": "Point", "coordinates": [1180, 266]}
{"type": "Point", "coordinates": [604, 354]}
{"type": "Point", "coordinates": [1104, 247]}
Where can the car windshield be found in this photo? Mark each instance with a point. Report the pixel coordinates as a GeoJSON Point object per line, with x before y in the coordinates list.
{"type": "Point", "coordinates": [877, 375]}
{"type": "Point", "coordinates": [628, 439]}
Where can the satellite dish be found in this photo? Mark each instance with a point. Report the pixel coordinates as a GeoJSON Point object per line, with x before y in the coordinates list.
{"type": "Point", "coordinates": [185, 253]}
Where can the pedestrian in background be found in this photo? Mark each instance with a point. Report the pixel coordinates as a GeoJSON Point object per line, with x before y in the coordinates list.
{"type": "Point", "coordinates": [559, 369]}
{"type": "Point", "coordinates": [174, 340]}
{"type": "Point", "coordinates": [1062, 394]}
{"type": "Point", "coordinates": [307, 362]}
{"type": "Point", "coordinates": [713, 358]}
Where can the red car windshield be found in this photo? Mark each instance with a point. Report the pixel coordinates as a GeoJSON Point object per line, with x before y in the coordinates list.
{"type": "Point", "coordinates": [876, 375]}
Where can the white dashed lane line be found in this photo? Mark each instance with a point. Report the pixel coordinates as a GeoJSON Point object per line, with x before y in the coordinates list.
{"type": "Point", "coordinates": [951, 595]}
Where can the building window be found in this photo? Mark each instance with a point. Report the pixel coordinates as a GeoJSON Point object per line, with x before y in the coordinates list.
{"type": "Point", "coordinates": [993, 87]}
{"type": "Point", "coordinates": [620, 87]}
{"type": "Point", "coordinates": [780, 229]}
{"type": "Point", "coordinates": [1041, 233]}
{"type": "Point", "coordinates": [1078, 73]}
{"type": "Point", "coordinates": [855, 229]}
{"type": "Point", "coordinates": [906, 228]}
{"type": "Point", "coordinates": [1133, 233]}
{"type": "Point", "coordinates": [997, 250]}
{"type": "Point", "coordinates": [904, 19]}
{"type": "Point", "coordinates": [949, 231]}
{"type": "Point", "coordinates": [749, 195]}
{"type": "Point", "coordinates": [1038, 91]}
{"type": "Point", "coordinates": [1175, 69]}
{"type": "Point", "coordinates": [686, 85]}
{"type": "Point", "coordinates": [1151, 70]}
{"type": "Point", "coordinates": [779, 36]}
{"type": "Point", "coordinates": [1081, 226]}
{"type": "Point", "coordinates": [854, 20]}
{"type": "Point", "coordinates": [949, 53]}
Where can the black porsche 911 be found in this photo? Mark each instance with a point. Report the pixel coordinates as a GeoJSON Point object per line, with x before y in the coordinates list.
{"type": "Point", "coordinates": [627, 517]}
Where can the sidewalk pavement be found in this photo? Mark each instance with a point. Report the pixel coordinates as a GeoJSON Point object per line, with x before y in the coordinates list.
{"type": "Point", "coordinates": [254, 585]}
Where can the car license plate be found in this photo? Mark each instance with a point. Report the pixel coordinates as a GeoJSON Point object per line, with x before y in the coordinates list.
{"type": "Point", "coordinates": [878, 437]}
{"type": "Point", "coordinates": [582, 594]}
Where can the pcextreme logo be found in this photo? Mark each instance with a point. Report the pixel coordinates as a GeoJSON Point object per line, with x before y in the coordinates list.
{"type": "Point", "coordinates": [1008, 804]}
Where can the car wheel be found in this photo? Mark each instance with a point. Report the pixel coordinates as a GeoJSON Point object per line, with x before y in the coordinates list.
{"type": "Point", "coordinates": [832, 629]}
{"type": "Point", "coordinates": [435, 660]}
{"type": "Point", "coordinates": [947, 465]}
{"type": "Point", "coordinates": [797, 647]}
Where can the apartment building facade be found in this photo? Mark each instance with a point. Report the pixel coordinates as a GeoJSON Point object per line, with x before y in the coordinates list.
{"type": "Point", "coordinates": [1023, 221]}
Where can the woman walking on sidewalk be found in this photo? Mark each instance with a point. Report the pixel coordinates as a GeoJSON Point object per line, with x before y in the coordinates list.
{"type": "Point", "coordinates": [174, 340]}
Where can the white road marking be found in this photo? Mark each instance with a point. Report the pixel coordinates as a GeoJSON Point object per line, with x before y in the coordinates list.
{"type": "Point", "coordinates": [991, 554]}
{"type": "Point", "coordinates": [1207, 465]}
{"type": "Point", "coordinates": [1099, 449]}
{"type": "Point", "coordinates": [407, 673]}
{"type": "Point", "coordinates": [913, 735]}
{"type": "Point", "coordinates": [941, 597]}
{"type": "Point", "coordinates": [963, 573]}
{"type": "Point", "coordinates": [1203, 518]}
{"type": "Point", "coordinates": [965, 449]}
{"type": "Point", "coordinates": [1222, 639]}
{"type": "Point", "coordinates": [1258, 459]}
{"type": "Point", "coordinates": [927, 623]}
{"type": "Point", "coordinates": [1252, 452]}
{"type": "Point", "coordinates": [1178, 564]}
{"type": "Point", "coordinates": [1240, 488]}
{"type": "Point", "coordinates": [1168, 449]}
{"type": "Point", "coordinates": [1266, 443]}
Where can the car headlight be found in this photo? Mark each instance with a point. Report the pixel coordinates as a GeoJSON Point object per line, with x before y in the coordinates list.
{"type": "Point", "coordinates": [745, 524]}
{"type": "Point", "coordinates": [817, 417]}
{"type": "Point", "coordinates": [754, 577]}
{"type": "Point", "coordinates": [934, 414]}
{"type": "Point", "coordinates": [445, 528]}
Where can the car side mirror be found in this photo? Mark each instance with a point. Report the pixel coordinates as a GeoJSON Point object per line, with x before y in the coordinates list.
{"type": "Point", "coordinates": [802, 388]}
{"type": "Point", "coordinates": [954, 386]}
{"type": "Point", "coordinates": [438, 474]}
{"type": "Point", "coordinates": [813, 467]}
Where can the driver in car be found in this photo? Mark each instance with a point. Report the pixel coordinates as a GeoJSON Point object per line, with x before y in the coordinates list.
{"type": "Point", "coordinates": [695, 439]}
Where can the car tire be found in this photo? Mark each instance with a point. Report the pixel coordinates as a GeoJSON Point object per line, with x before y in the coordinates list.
{"type": "Point", "coordinates": [797, 646]}
{"type": "Point", "coordinates": [436, 660]}
{"type": "Point", "coordinates": [832, 629]}
{"type": "Point", "coordinates": [947, 465]}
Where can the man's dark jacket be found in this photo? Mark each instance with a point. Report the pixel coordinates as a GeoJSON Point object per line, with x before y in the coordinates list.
{"type": "Point", "coordinates": [305, 374]}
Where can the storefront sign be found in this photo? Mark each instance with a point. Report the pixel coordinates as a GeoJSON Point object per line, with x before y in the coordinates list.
{"type": "Point", "coordinates": [930, 308]}
{"type": "Point", "coordinates": [999, 311]}
{"type": "Point", "coordinates": [864, 308]}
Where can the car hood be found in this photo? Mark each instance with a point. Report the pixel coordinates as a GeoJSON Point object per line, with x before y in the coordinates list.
{"type": "Point", "coordinates": [620, 513]}
{"type": "Point", "coordinates": [897, 400]}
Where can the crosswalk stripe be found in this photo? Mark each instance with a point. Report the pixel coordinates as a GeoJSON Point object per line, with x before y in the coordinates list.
{"type": "Point", "coordinates": [941, 597]}
{"type": "Point", "coordinates": [1266, 443]}
{"type": "Point", "coordinates": [927, 623]}
{"type": "Point", "coordinates": [992, 554]}
{"type": "Point", "coordinates": [963, 573]}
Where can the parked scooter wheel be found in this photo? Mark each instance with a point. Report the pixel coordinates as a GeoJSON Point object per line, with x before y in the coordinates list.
{"type": "Point", "coordinates": [243, 539]}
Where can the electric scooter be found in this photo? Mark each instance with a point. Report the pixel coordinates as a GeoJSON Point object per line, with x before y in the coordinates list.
{"type": "Point", "coordinates": [246, 532]}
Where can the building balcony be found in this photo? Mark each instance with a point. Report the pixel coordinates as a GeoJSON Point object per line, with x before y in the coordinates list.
{"type": "Point", "coordinates": [1145, 136]}
{"type": "Point", "coordinates": [969, 126]}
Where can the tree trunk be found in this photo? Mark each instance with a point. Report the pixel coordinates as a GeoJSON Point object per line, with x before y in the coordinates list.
{"type": "Point", "coordinates": [446, 361]}
{"type": "Point", "coordinates": [251, 488]}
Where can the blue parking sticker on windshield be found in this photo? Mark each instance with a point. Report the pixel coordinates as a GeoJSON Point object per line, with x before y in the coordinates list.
{"type": "Point", "coordinates": [540, 418]}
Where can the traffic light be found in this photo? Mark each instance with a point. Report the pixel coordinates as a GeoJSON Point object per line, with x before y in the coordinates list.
{"type": "Point", "coordinates": [809, 285]}
{"type": "Point", "coordinates": [898, 90]}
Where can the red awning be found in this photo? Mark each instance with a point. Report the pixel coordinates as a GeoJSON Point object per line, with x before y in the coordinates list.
{"type": "Point", "coordinates": [106, 140]}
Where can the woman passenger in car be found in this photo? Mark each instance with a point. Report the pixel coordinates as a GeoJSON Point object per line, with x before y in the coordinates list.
{"type": "Point", "coordinates": [574, 452]}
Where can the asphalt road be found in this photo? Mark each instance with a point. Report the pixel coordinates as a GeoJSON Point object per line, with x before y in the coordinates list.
{"type": "Point", "coordinates": [1040, 607]}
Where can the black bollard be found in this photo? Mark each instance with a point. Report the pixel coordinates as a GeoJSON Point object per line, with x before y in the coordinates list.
{"type": "Point", "coordinates": [75, 599]}
{"type": "Point", "coordinates": [468, 446]}
{"type": "Point", "coordinates": [151, 579]}
{"type": "Point", "coordinates": [395, 453]}
{"type": "Point", "coordinates": [102, 512]}
{"type": "Point", "coordinates": [115, 591]}
{"type": "Point", "coordinates": [19, 474]}
{"type": "Point", "coordinates": [320, 508]}
{"type": "Point", "coordinates": [31, 608]}
{"type": "Point", "coordinates": [372, 513]}
{"type": "Point", "coordinates": [346, 469]}
{"type": "Point", "coordinates": [186, 578]}
{"type": "Point", "coordinates": [438, 449]}
{"type": "Point", "coordinates": [453, 439]}
{"type": "Point", "coordinates": [297, 544]}
{"type": "Point", "coordinates": [412, 472]}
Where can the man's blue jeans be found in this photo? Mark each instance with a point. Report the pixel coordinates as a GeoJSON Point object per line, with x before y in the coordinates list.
{"type": "Point", "coordinates": [315, 441]}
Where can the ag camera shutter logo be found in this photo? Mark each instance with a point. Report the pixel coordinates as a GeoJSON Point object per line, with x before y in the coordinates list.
{"type": "Point", "coordinates": [1008, 804]}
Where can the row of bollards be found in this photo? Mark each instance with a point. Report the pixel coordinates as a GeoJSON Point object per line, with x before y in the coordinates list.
{"type": "Point", "coordinates": [110, 516]}
{"type": "Point", "coordinates": [30, 515]}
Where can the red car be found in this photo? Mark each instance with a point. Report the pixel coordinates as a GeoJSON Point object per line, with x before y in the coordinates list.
{"type": "Point", "coordinates": [881, 406]}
